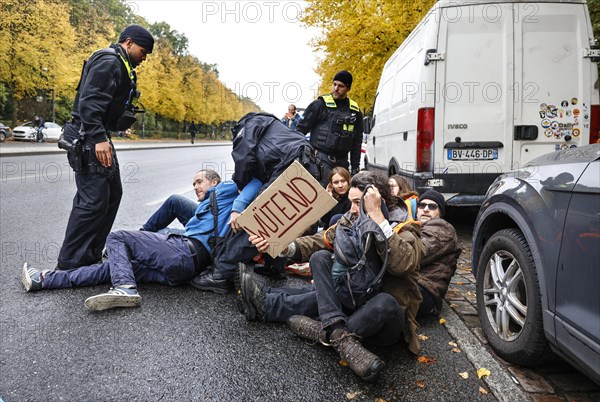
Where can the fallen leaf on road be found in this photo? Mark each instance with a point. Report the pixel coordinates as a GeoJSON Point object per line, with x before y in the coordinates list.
{"type": "Point", "coordinates": [352, 395]}
{"type": "Point", "coordinates": [343, 363]}
{"type": "Point", "coordinates": [379, 400]}
{"type": "Point", "coordinates": [426, 360]}
{"type": "Point", "coordinates": [456, 350]}
{"type": "Point", "coordinates": [459, 283]}
{"type": "Point", "coordinates": [422, 337]}
{"type": "Point", "coordinates": [483, 372]}
{"type": "Point", "coordinates": [464, 375]}
{"type": "Point", "coordinates": [421, 384]}
{"type": "Point", "coordinates": [442, 321]}
{"type": "Point", "coordinates": [452, 344]}
{"type": "Point", "coordinates": [482, 390]}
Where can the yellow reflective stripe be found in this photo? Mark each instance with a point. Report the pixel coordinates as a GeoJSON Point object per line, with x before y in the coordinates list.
{"type": "Point", "coordinates": [348, 127]}
{"type": "Point", "coordinates": [128, 67]}
{"type": "Point", "coordinates": [354, 105]}
{"type": "Point", "coordinates": [329, 101]}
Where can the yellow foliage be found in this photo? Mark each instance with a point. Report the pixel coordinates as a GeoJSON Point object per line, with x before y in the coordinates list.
{"type": "Point", "coordinates": [359, 36]}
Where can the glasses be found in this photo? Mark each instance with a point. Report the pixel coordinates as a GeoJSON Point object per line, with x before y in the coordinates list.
{"type": "Point", "coordinates": [431, 207]}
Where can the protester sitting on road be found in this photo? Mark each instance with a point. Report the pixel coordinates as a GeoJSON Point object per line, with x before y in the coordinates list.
{"type": "Point", "coordinates": [140, 256]}
{"type": "Point", "coordinates": [441, 252]}
{"type": "Point", "coordinates": [180, 207]}
{"type": "Point", "coordinates": [262, 148]}
{"type": "Point", "coordinates": [384, 319]}
{"type": "Point", "coordinates": [338, 186]}
{"type": "Point", "coordinates": [401, 189]}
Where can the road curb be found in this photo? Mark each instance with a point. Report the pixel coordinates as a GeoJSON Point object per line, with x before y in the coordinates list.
{"type": "Point", "coordinates": [127, 148]}
{"type": "Point", "coordinates": [500, 382]}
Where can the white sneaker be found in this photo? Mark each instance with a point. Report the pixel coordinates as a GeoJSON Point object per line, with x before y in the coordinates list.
{"type": "Point", "coordinates": [115, 297]}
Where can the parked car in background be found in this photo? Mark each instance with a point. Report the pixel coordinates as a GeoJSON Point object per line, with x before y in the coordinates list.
{"type": "Point", "coordinates": [26, 132]}
{"type": "Point", "coordinates": [4, 132]}
{"type": "Point", "coordinates": [536, 259]}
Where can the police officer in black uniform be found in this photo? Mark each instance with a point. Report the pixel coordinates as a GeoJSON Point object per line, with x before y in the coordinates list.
{"type": "Point", "coordinates": [104, 103]}
{"type": "Point", "coordinates": [335, 125]}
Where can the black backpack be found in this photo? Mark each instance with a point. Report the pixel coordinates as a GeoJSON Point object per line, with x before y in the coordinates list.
{"type": "Point", "coordinates": [355, 250]}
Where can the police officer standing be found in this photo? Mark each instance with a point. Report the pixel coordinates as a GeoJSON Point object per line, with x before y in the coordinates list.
{"type": "Point", "coordinates": [335, 125]}
{"type": "Point", "coordinates": [104, 103]}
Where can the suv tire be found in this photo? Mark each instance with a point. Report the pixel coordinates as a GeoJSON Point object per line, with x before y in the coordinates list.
{"type": "Point", "coordinates": [509, 301]}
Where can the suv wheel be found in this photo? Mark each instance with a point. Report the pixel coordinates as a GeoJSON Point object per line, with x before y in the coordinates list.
{"type": "Point", "coordinates": [508, 299]}
{"type": "Point", "coordinates": [2, 136]}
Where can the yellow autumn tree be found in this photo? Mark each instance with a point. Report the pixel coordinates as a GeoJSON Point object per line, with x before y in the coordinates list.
{"type": "Point", "coordinates": [359, 36]}
{"type": "Point", "coordinates": [36, 55]}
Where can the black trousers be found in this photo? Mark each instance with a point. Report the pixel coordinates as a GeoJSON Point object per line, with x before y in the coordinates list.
{"type": "Point", "coordinates": [94, 210]}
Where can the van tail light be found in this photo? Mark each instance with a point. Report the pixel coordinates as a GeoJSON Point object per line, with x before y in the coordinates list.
{"type": "Point", "coordinates": [425, 134]}
{"type": "Point", "coordinates": [595, 124]}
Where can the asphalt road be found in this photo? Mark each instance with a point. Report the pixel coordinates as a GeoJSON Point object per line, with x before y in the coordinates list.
{"type": "Point", "coordinates": [181, 344]}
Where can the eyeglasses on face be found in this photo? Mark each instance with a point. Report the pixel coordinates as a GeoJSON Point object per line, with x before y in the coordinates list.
{"type": "Point", "coordinates": [431, 206]}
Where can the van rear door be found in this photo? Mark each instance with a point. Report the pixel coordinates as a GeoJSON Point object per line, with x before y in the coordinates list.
{"type": "Point", "coordinates": [552, 78]}
{"type": "Point", "coordinates": [474, 92]}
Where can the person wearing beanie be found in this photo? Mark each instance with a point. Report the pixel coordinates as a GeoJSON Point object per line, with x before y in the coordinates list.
{"type": "Point", "coordinates": [441, 252]}
{"type": "Point", "coordinates": [334, 122]}
{"type": "Point", "coordinates": [103, 104]}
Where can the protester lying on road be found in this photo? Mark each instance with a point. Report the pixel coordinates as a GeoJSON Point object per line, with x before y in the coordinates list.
{"type": "Point", "coordinates": [381, 318]}
{"type": "Point", "coordinates": [180, 207]}
{"type": "Point", "coordinates": [441, 252]}
{"type": "Point", "coordinates": [140, 256]}
{"type": "Point", "coordinates": [263, 148]}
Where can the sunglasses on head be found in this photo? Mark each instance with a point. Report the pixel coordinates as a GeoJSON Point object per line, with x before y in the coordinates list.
{"type": "Point", "coordinates": [431, 206]}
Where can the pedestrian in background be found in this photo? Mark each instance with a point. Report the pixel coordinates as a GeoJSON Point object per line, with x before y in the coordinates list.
{"type": "Point", "coordinates": [291, 118]}
{"type": "Point", "coordinates": [193, 131]}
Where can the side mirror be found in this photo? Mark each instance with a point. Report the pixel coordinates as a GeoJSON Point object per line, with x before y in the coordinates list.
{"type": "Point", "coordinates": [367, 124]}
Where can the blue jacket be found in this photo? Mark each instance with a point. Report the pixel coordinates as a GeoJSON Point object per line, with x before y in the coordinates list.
{"type": "Point", "coordinates": [202, 224]}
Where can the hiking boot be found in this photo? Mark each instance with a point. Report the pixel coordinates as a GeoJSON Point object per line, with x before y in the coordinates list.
{"type": "Point", "coordinates": [273, 268]}
{"type": "Point", "coordinates": [32, 278]}
{"type": "Point", "coordinates": [307, 328]}
{"type": "Point", "coordinates": [115, 297]}
{"type": "Point", "coordinates": [252, 298]}
{"type": "Point", "coordinates": [212, 280]}
{"type": "Point", "coordinates": [364, 363]}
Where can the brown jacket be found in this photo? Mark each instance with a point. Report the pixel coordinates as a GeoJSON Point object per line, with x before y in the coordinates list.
{"type": "Point", "coordinates": [400, 280]}
{"type": "Point", "coordinates": [441, 255]}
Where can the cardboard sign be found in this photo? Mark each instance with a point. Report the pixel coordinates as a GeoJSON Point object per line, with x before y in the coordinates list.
{"type": "Point", "coordinates": [281, 213]}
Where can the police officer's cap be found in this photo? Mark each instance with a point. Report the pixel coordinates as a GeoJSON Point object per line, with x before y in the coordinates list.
{"type": "Point", "coordinates": [139, 35]}
{"type": "Point", "coordinates": [344, 77]}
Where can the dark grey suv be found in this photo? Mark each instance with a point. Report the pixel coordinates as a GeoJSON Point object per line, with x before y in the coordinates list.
{"type": "Point", "coordinates": [536, 258]}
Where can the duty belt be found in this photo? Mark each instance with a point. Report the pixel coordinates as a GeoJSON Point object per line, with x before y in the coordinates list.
{"type": "Point", "coordinates": [195, 248]}
{"type": "Point", "coordinates": [332, 158]}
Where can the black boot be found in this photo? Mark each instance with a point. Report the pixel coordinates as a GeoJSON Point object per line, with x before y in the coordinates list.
{"type": "Point", "coordinates": [273, 267]}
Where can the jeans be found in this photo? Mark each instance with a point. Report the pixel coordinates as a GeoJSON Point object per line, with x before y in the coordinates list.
{"type": "Point", "coordinates": [134, 256]}
{"type": "Point", "coordinates": [175, 207]}
{"type": "Point", "coordinates": [234, 248]}
{"type": "Point", "coordinates": [282, 303]}
{"type": "Point", "coordinates": [330, 305]}
{"type": "Point", "coordinates": [94, 210]}
{"type": "Point", "coordinates": [428, 305]}
{"type": "Point", "coordinates": [380, 320]}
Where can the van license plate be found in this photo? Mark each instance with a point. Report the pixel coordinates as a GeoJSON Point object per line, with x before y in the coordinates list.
{"type": "Point", "coordinates": [472, 154]}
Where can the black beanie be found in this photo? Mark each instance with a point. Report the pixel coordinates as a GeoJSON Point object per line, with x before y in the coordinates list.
{"type": "Point", "coordinates": [437, 197]}
{"type": "Point", "coordinates": [344, 77]}
{"type": "Point", "coordinates": [139, 35]}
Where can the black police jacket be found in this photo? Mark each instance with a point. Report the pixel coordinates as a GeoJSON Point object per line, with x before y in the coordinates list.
{"type": "Point", "coordinates": [263, 147]}
{"type": "Point", "coordinates": [102, 94]}
{"type": "Point", "coordinates": [319, 120]}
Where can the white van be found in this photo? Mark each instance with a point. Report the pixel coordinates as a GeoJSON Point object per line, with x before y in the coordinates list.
{"type": "Point", "coordinates": [480, 88]}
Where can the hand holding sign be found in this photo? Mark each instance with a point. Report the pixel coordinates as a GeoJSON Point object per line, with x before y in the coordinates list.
{"type": "Point", "coordinates": [291, 204]}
